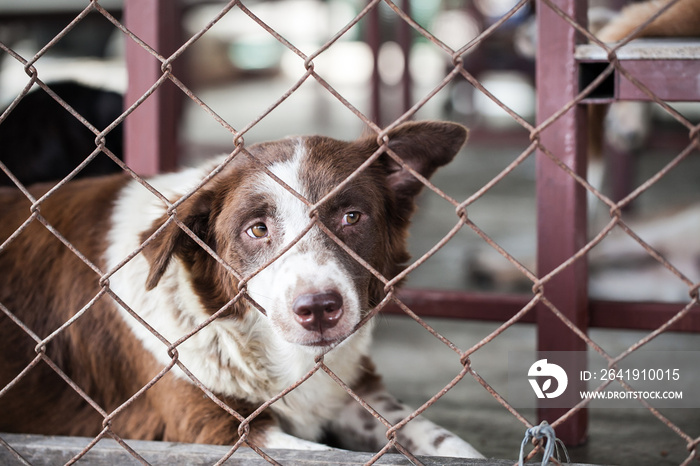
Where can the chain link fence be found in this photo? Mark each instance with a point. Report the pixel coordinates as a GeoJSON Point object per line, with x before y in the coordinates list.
{"type": "Point", "coordinates": [555, 303]}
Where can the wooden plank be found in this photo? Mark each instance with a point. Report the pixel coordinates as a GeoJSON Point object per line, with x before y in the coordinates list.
{"type": "Point", "coordinates": [39, 451]}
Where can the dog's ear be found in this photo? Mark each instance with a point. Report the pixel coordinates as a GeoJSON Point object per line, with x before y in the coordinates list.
{"type": "Point", "coordinates": [424, 147]}
{"type": "Point", "coordinates": [194, 213]}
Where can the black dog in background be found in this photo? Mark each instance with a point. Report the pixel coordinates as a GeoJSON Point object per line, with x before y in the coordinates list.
{"type": "Point", "coordinates": [41, 141]}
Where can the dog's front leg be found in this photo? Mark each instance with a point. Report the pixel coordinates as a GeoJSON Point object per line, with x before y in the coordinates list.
{"type": "Point", "coordinates": [357, 429]}
{"type": "Point", "coordinates": [275, 437]}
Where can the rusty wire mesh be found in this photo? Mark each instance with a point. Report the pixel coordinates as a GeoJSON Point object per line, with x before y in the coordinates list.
{"type": "Point", "coordinates": [462, 220]}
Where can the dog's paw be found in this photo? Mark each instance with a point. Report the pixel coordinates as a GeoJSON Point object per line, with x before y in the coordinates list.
{"type": "Point", "coordinates": [453, 446]}
{"type": "Point", "coordinates": [628, 125]}
{"type": "Point", "coordinates": [277, 439]}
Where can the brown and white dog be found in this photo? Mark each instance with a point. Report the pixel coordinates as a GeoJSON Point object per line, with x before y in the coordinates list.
{"type": "Point", "coordinates": [313, 296]}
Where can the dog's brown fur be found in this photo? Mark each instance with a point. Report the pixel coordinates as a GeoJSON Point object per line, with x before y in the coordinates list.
{"type": "Point", "coordinates": [682, 19]}
{"type": "Point", "coordinates": [177, 409]}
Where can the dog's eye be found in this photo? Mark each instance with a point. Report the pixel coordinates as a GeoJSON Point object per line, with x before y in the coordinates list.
{"type": "Point", "coordinates": [259, 230]}
{"type": "Point", "coordinates": [351, 218]}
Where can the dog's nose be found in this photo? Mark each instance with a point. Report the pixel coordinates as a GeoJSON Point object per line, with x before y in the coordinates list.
{"type": "Point", "coordinates": [318, 311]}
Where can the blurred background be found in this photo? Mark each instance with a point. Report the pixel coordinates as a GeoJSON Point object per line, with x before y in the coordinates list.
{"type": "Point", "coordinates": [239, 70]}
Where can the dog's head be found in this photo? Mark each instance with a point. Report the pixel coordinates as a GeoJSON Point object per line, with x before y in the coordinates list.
{"type": "Point", "coordinates": [308, 258]}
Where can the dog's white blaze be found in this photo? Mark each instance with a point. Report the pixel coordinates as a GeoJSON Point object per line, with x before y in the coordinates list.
{"type": "Point", "coordinates": [307, 267]}
{"type": "Point", "coordinates": [250, 358]}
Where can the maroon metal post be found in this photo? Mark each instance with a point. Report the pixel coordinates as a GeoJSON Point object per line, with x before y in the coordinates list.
{"type": "Point", "coordinates": [561, 202]}
{"type": "Point", "coordinates": [374, 41]}
{"type": "Point", "coordinates": [405, 39]}
{"type": "Point", "coordinates": [150, 131]}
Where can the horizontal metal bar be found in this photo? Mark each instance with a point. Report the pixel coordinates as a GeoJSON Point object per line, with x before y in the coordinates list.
{"type": "Point", "coordinates": [644, 49]}
{"type": "Point", "coordinates": [643, 315]}
{"type": "Point", "coordinates": [463, 305]}
{"type": "Point", "coordinates": [669, 68]}
{"type": "Point", "coordinates": [501, 307]}
{"type": "Point", "coordinates": [670, 80]}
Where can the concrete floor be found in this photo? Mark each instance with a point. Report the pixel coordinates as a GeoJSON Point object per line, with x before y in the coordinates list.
{"type": "Point", "coordinates": [415, 364]}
